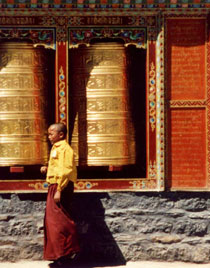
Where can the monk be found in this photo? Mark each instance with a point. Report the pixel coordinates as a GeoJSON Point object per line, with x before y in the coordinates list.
{"type": "Point", "coordinates": [60, 237]}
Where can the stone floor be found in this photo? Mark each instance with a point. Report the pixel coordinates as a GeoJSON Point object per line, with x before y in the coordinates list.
{"type": "Point", "coordinates": [143, 264]}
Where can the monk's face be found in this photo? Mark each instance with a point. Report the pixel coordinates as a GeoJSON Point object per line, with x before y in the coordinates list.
{"type": "Point", "coordinates": [54, 135]}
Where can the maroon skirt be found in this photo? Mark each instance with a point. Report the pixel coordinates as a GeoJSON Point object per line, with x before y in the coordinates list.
{"type": "Point", "coordinates": [60, 237]}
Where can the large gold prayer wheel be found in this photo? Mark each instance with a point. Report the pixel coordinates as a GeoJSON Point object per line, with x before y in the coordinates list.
{"type": "Point", "coordinates": [23, 83]}
{"type": "Point", "coordinates": [103, 133]}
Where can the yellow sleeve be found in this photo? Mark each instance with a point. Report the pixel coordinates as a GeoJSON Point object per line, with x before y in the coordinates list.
{"type": "Point", "coordinates": [65, 168]}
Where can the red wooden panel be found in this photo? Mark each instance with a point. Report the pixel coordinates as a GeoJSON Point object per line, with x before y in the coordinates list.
{"type": "Point", "coordinates": [186, 83]}
{"type": "Point", "coordinates": [186, 58]}
{"type": "Point", "coordinates": [187, 165]}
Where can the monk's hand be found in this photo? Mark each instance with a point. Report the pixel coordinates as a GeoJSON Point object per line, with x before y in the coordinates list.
{"type": "Point", "coordinates": [57, 196]}
{"type": "Point", "coordinates": [43, 169]}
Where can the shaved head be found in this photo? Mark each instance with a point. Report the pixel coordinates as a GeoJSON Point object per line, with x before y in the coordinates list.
{"type": "Point", "coordinates": [60, 127]}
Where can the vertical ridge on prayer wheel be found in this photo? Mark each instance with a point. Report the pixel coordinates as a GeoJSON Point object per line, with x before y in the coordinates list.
{"type": "Point", "coordinates": [103, 133]}
{"type": "Point", "coordinates": [23, 83]}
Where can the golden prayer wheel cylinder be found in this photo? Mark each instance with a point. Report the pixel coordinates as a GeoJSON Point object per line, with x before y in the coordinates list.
{"type": "Point", "coordinates": [23, 82]}
{"type": "Point", "coordinates": [103, 133]}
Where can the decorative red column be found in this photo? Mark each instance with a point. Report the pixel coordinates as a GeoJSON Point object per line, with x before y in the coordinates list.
{"type": "Point", "coordinates": [151, 105]}
{"type": "Point", "coordinates": [61, 66]}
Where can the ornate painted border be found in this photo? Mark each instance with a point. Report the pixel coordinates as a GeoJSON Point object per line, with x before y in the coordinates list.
{"type": "Point", "coordinates": [160, 132]}
{"type": "Point", "coordinates": [92, 185]}
{"type": "Point", "coordinates": [135, 36]}
{"type": "Point", "coordinates": [152, 97]}
{"type": "Point", "coordinates": [39, 36]}
{"type": "Point", "coordinates": [188, 103]}
{"type": "Point", "coordinates": [62, 95]}
{"type": "Point", "coordinates": [102, 4]}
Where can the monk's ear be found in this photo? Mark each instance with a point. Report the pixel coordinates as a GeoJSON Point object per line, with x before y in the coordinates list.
{"type": "Point", "coordinates": [61, 135]}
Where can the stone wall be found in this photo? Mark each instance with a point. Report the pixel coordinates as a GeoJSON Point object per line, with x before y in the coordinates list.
{"type": "Point", "coordinates": [114, 227]}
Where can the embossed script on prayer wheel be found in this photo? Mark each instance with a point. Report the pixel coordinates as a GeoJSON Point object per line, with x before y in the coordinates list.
{"type": "Point", "coordinates": [22, 86]}
{"type": "Point", "coordinates": [103, 133]}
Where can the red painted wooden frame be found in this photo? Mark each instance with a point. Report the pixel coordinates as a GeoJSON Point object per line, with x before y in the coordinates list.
{"type": "Point", "coordinates": [63, 27]}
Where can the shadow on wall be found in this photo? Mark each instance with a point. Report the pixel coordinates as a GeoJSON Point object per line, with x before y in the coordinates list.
{"type": "Point", "coordinates": [26, 212]}
{"type": "Point", "coordinates": [98, 246]}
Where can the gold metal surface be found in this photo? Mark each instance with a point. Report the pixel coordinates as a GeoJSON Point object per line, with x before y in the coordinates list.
{"type": "Point", "coordinates": [103, 133]}
{"type": "Point", "coordinates": [23, 82]}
